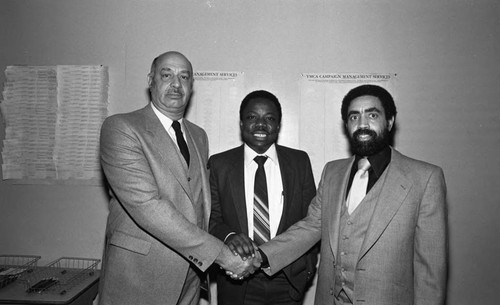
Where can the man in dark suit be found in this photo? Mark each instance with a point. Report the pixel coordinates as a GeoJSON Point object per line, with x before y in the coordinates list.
{"type": "Point", "coordinates": [290, 188]}
{"type": "Point", "coordinates": [155, 161]}
{"type": "Point", "coordinates": [390, 246]}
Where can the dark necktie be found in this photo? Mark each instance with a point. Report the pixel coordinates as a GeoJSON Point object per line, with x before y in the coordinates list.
{"type": "Point", "coordinates": [180, 140]}
{"type": "Point", "coordinates": [261, 231]}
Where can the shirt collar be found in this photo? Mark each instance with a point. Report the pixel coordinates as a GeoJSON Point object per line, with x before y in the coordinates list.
{"type": "Point", "coordinates": [378, 161]}
{"type": "Point", "coordinates": [165, 120]}
{"type": "Point", "coordinates": [250, 154]}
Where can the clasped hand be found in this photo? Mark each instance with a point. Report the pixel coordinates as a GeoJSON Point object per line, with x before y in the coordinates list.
{"type": "Point", "coordinates": [240, 257]}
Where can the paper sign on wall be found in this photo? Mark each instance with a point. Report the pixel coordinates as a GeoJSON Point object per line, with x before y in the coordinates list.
{"type": "Point", "coordinates": [215, 106]}
{"type": "Point", "coordinates": [321, 126]}
{"type": "Point", "coordinates": [53, 115]}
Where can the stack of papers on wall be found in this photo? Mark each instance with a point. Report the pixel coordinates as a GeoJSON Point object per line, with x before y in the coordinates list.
{"type": "Point", "coordinates": [53, 115]}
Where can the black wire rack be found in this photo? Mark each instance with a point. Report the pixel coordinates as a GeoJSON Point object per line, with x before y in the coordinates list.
{"type": "Point", "coordinates": [14, 266]}
{"type": "Point", "coordinates": [61, 275]}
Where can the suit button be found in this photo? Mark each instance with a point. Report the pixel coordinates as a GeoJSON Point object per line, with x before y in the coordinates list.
{"type": "Point", "coordinates": [331, 291]}
{"type": "Point", "coordinates": [195, 260]}
{"type": "Point", "coordinates": [189, 179]}
{"type": "Point", "coordinates": [190, 257]}
{"type": "Point", "coordinates": [200, 264]}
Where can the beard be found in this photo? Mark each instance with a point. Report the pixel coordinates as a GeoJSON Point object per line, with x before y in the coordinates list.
{"type": "Point", "coordinates": [369, 147]}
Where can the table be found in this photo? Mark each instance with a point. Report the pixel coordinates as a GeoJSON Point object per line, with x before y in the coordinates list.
{"type": "Point", "coordinates": [81, 293]}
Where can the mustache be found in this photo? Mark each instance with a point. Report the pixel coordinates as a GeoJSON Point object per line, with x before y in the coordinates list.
{"type": "Point", "coordinates": [174, 91]}
{"type": "Point", "coordinates": [360, 132]}
{"type": "Point", "coordinates": [259, 127]}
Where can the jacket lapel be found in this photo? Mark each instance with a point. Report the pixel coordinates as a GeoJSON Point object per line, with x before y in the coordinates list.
{"type": "Point", "coordinates": [236, 178]}
{"type": "Point", "coordinates": [392, 195]}
{"type": "Point", "coordinates": [163, 143]}
{"type": "Point", "coordinates": [337, 197]}
{"type": "Point", "coordinates": [288, 180]}
{"type": "Point", "coordinates": [197, 142]}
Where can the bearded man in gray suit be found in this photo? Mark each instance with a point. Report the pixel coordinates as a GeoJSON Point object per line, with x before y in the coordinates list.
{"type": "Point", "coordinates": [389, 249]}
{"type": "Point", "coordinates": [155, 162]}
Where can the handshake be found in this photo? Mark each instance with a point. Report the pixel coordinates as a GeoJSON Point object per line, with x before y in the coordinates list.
{"type": "Point", "coordinates": [240, 257]}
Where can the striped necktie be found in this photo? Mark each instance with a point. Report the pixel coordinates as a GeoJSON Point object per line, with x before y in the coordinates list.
{"type": "Point", "coordinates": [261, 232]}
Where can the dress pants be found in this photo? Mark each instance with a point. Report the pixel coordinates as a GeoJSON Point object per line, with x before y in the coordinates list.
{"type": "Point", "coordinates": [265, 290]}
{"type": "Point", "coordinates": [190, 294]}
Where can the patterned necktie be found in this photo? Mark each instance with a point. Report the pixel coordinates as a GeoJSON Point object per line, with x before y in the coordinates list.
{"type": "Point", "coordinates": [359, 185]}
{"type": "Point", "coordinates": [180, 140]}
{"type": "Point", "coordinates": [261, 232]}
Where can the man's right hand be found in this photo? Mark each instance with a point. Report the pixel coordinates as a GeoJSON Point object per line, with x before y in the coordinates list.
{"type": "Point", "coordinates": [235, 266]}
{"type": "Point", "coordinates": [241, 245]}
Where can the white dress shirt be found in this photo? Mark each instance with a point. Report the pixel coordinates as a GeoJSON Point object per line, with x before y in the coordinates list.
{"type": "Point", "coordinates": [274, 187]}
{"type": "Point", "coordinates": [167, 124]}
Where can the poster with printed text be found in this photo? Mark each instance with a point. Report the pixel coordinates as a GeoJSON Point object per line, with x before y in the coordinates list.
{"type": "Point", "coordinates": [321, 127]}
{"type": "Point", "coordinates": [53, 115]}
{"type": "Point", "coordinates": [215, 107]}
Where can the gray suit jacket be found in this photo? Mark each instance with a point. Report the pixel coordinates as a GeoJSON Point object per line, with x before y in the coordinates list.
{"type": "Point", "coordinates": [152, 235]}
{"type": "Point", "coordinates": [403, 259]}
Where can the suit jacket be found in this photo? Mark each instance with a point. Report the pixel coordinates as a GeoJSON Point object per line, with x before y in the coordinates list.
{"type": "Point", "coordinates": [403, 258]}
{"type": "Point", "coordinates": [152, 235]}
{"type": "Point", "coordinates": [229, 211]}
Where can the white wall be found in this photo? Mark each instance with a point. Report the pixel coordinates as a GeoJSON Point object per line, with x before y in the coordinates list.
{"type": "Point", "coordinates": [446, 55]}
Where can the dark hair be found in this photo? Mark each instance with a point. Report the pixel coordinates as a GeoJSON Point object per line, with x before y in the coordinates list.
{"type": "Point", "coordinates": [383, 95]}
{"type": "Point", "coordinates": [260, 94]}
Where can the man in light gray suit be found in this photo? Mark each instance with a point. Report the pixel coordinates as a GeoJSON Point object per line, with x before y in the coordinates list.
{"type": "Point", "coordinates": [155, 162]}
{"type": "Point", "coordinates": [389, 249]}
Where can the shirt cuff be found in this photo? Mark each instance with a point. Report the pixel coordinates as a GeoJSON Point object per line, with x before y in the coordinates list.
{"type": "Point", "coordinates": [265, 260]}
{"type": "Point", "coordinates": [232, 233]}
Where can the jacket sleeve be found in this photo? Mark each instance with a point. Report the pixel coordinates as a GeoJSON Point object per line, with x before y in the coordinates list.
{"type": "Point", "coordinates": [308, 193]}
{"type": "Point", "coordinates": [298, 239]}
{"type": "Point", "coordinates": [431, 243]}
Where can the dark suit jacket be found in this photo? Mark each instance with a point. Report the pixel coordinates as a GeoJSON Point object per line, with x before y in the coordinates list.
{"type": "Point", "coordinates": [152, 235]}
{"type": "Point", "coordinates": [403, 258]}
{"type": "Point", "coordinates": [229, 210]}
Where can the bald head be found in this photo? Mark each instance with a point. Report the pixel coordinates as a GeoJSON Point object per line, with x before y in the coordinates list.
{"type": "Point", "coordinates": [168, 54]}
{"type": "Point", "coordinates": [170, 83]}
